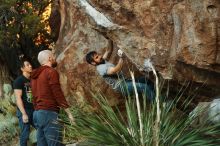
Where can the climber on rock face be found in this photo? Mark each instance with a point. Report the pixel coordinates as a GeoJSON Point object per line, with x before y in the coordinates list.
{"type": "Point", "coordinates": [113, 75]}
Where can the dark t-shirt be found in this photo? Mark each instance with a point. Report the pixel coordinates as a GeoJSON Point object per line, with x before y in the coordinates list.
{"type": "Point", "coordinates": [23, 84]}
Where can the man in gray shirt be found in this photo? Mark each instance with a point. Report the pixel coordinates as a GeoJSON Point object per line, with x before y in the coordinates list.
{"type": "Point", "coordinates": [114, 76]}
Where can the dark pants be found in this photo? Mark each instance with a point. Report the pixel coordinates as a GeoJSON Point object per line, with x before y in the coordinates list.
{"type": "Point", "coordinates": [49, 130]}
{"type": "Point", "coordinates": [143, 85]}
{"type": "Point", "coordinates": [25, 127]}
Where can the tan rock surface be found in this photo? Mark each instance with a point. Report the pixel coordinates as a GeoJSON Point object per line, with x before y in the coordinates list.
{"type": "Point", "coordinates": [181, 37]}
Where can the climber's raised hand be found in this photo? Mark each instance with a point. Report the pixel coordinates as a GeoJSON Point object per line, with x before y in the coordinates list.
{"type": "Point", "coordinates": [120, 53]}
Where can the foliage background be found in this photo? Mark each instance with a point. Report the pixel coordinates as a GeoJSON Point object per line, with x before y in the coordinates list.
{"type": "Point", "coordinates": [24, 29]}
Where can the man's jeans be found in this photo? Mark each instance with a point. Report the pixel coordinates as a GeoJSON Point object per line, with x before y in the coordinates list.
{"type": "Point", "coordinates": [25, 127]}
{"type": "Point", "coordinates": [144, 86]}
{"type": "Point", "coordinates": [49, 130]}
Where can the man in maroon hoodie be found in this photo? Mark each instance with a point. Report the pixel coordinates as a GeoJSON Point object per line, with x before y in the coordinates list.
{"type": "Point", "coordinates": [48, 99]}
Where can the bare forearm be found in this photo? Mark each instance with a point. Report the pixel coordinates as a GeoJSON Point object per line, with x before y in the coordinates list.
{"type": "Point", "coordinates": [117, 68]}
{"type": "Point", "coordinates": [19, 102]}
{"type": "Point", "coordinates": [70, 116]}
{"type": "Point", "coordinates": [119, 65]}
{"type": "Point", "coordinates": [109, 50]}
{"type": "Point", "coordinates": [20, 105]}
{"type": "Point", "coordinates": [67, 110]}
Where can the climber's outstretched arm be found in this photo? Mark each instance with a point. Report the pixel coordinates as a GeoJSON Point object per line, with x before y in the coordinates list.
{"type": "Point", "coordinates": [118, 67]}
{"type": "Point", "coordinates": [109, 50]}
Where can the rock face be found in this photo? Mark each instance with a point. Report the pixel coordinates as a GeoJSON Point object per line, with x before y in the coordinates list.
{"type": "Point", "coordinates": [207, 111]}
{"type": "Point", "coordinates": [180, 37]}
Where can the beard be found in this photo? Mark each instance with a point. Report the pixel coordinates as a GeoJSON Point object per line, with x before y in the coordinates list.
{"type": "Point", "coordinates": [102, 61]}
{"type": "Point", "coordinates": [54, 64]}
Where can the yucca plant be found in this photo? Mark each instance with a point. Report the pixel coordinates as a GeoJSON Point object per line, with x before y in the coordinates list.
{"type": "Point", "coordinates": [114, 127]}
{"type": "Point", "coordinates": [70, 134]}
{"type": "Point", "coordinates": [158, 123]}
{"type": "Point", "coordinates": [110, 127]}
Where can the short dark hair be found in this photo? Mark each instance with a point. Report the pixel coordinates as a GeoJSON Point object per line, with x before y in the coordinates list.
{"type": "Point", "coordinates": [89, 56]}
{"type": "Point", "coordinates": [22, 60]}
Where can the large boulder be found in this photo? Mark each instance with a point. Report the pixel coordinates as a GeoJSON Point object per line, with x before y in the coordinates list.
{"type": "Point", "coordinates": [180, 37]}
{"type": "Point", "coordinates": [206, 112]}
